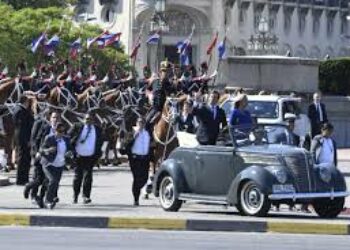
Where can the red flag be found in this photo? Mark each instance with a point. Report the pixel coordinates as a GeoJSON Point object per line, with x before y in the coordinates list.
{"type": "Point", "coordinates": [212, 44]}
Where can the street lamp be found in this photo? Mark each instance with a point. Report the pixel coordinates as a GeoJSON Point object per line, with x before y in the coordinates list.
{"type": "Point", "coordinates": [263, 42]}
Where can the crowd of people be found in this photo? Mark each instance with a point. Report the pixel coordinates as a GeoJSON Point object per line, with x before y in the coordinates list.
{"type": "Point", "coordinates": [50, 146]}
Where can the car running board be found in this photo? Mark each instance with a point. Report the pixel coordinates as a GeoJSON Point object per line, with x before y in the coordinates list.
{"type": "Point", "coordinates": [207, 199]}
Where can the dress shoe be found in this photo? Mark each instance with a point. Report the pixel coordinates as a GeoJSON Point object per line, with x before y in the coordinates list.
{"type": "Point", "coordinates": [26, 191]}
{"type": "Point", "coordinates": [75, 200]}
{"type": "Point", "coordinates": [136, 203]}
{"type": "Point", "coordinates": [39, 202]}
{"type": "Point", "coordinates": [50, 205]}
{"type": "Point", "coordinates": [87, 200]}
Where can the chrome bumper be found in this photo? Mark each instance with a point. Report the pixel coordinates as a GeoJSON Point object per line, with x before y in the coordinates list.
{"type": "Point", "coordinates": [299, 196]}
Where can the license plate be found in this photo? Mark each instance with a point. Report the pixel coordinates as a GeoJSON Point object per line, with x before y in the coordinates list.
{"type": "Point", "coordinates": [287, 188]}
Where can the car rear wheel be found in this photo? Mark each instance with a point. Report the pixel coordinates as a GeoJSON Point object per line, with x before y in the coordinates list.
{"type": "Point", "coordinates": [327, 208]}
{"type": "Point", "coordinates": [252, 201]}
{"type": "Point", "coordinates": [167, 198]}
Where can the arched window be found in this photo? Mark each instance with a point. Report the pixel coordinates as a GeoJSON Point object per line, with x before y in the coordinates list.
{"type": "Point", "coordinates": [108, 14]}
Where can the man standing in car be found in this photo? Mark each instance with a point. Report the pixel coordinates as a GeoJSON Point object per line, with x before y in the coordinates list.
{"type": "Point", "coordinates": [210, 118]}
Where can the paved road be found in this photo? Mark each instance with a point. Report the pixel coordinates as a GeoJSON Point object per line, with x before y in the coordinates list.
{"type": "Point", "coordinates": [112, 197]}
{"type": "Point", "coordinates": [93, 239]}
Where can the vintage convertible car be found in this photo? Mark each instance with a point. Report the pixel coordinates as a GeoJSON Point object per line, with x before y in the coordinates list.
{"type": "Point", "coordinates": [250, 177]}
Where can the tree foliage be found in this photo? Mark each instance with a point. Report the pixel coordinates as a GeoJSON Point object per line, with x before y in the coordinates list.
{"type": "Point", "coordinates": [335, 76]}
{"type": "Point", "coordinates": [18, 28]}
{"type": "Point", "coordinates": [20, 4]}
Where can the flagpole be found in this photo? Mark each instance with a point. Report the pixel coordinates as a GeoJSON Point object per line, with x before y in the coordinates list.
{"type": "Point", "coordinates": [220, 61]}
{"type": "Point", "coordinates": [138, 41]}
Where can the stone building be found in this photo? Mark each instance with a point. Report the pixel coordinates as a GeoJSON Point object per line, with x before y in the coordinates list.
{"type": "Point", "coordinates": [304, 28]}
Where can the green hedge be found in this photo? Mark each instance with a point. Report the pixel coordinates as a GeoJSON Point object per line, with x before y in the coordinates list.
{"type": "Point", "coordinates": [335, 76]}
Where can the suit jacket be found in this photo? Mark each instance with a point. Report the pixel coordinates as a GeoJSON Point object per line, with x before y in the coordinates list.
{"type": "Point", "coordinates": [281, 138]}
{"type": "Point", "coordinates": [208, 128]}
{"type": "Point", "coordinates": [187, 125]}
{"type": "Point", "coordinates": [316, 146]}
{"type": "Point", "coordinates": [315, 118]}
{"type": "Point", "coordinates": [23, 121]}
{"type": "Point", "coordinates": [75, 132]}
{"type": "Point", "coordinates": [35, 139]}
{"type": "Point", "coordinates": [51, 142]}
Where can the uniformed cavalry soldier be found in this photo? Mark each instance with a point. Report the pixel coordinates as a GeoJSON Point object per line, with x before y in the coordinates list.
{"type": "Point", "coordinates": [138, 150]}
{"type": "Point", "coordinates": [86, 140]}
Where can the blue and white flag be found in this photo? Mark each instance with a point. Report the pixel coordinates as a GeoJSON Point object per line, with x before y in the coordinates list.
{"type": "Point", "coordinates": [183, 49]}
{"type": "Point", "coordinates": [37, 42]}
{"type": "Point", "coordinates": [222, 49]}
{"type": "Point", "coordinates": [75, 48]}
{"type": "Point", "coordinates": [51, 45]}
{"type": "Point", "coordinates": [154, 38]}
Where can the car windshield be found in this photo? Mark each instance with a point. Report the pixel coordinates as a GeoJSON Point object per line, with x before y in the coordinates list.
{"type": "Point", "coordinates": [263, 109]}
{"type": "Point", "coordinates": [258, 109]}
{"type": "Point", "coordinates": [259, 135]}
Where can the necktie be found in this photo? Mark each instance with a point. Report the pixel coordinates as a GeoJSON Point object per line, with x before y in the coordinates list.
{"type": "Point", "coordinates": [213, 109]}
{"type": "Point", "coordinates": [87, 134]}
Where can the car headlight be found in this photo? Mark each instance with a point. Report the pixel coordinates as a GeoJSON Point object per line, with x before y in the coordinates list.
{"type": "Point", "coordinates": [280, 175]}
{"type": "Point", "coordinates": [325, 174]}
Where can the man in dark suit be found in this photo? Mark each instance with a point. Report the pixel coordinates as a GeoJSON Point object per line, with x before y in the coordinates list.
{"type": "Point", "coordinates": [23, 122]}
{"type": "Point", "coordinates": [40, 130]}
{"type": "Point", "coordinates": [53, 158]}
{"type": "Point", "coordinates": [317, 114]}
{"type": "Point", "coordinates": [287, 136]}
{"type": "Point", "coordinates": [210, 118]}
{"type": "Point", "coordinates": [186, 119]}
{"type": "Point", "coordinates": [86, 140]}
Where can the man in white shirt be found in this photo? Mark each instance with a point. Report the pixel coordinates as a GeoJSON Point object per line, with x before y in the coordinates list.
{"type": "Point", "coordinates": [53, 152]}
{"type": "Point", "coordinates": [323, 147]}
{"type": "Point", "coordinates": [86, 140]}
{"type": "Point", "coordinates": [139, 158]}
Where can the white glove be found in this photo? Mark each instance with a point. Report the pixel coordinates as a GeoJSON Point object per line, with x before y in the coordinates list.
{"type": "Point", "coordinates": [214, 74]}
{"type": "Point", "coordinates": [105, 79]}
{"type": "Point", "coordinates": [34, 74]}
{"type": "Point", "coordinates": [69, 78]}
{"type": "Point", "coordinates": [5, 71]}
{"type": "Point", "coordinates": [79, 74]}
{"type": "Point", "coordinates": [93, 78]}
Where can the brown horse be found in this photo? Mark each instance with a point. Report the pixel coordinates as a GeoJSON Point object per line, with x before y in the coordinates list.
{"type": "Point", "coordinates": [164, 132]}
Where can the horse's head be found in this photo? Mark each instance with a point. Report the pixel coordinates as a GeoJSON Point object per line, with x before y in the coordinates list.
{"type": "Point", "coordinates": [171, 109]}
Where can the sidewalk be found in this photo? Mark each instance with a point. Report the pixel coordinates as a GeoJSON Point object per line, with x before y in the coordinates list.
{"type": "Point", "coordinates": [344, 155]}
{"type": "Point", "coordinates": [112, 208]}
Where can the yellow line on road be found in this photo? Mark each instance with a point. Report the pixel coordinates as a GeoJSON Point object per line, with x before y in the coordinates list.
{"type": "Point", "coordinates": [14, 219]}
{"type": "Point", "coordinates": [307, 228]}
{"type": "Point", "coordinates": [171, 224]}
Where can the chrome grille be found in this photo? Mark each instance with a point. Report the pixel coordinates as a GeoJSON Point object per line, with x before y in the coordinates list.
{"type": "Point", "coordinates": [299, 167]}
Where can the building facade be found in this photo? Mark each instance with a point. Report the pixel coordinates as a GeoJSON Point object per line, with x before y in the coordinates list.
{"type": "Point", "coordinates": [304, 28]}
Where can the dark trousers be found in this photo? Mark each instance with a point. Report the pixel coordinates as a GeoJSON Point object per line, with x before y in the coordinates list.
{"type": "Point", "coordinates": [139, 168]}
{"type": "Point", "coordinates": [23, 163]}
{"type": "Point", "coordinates": [83, 175]}
{"type": "Point", "coordinates": [53, 175]}
{"type": "Point", "coordinates": [37, 181]}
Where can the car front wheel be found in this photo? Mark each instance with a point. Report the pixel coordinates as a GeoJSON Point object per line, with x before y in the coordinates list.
{"type": "Point", "coordinates": [327, 208]}
{"type": "Point", "coordinates": [252, 201]}
{"type": "Point", "coordinates": [167, 195]}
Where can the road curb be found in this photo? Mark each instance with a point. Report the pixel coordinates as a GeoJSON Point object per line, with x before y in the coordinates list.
{"type": "Point", "coordinates": [175, 224]}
